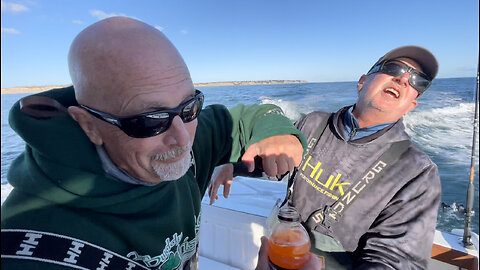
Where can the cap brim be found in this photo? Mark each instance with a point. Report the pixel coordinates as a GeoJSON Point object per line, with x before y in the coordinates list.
{"type": "Point", "coordinates": [422, 56]}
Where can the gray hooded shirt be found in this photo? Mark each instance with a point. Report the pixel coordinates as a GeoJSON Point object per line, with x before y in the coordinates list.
{"type": "Point", "coordinates": [391, 224]}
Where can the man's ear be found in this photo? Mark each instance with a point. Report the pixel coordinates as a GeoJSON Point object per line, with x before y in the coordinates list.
{"type": "Point", "coordinates": [86, 123]}
{"type": "Point", "coordinates": [361, 82]}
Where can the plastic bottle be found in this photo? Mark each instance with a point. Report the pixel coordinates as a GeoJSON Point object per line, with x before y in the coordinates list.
{"type": "Point", "coordinates": [289, 243]}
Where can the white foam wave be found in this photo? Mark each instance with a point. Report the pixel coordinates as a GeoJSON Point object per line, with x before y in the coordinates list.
{"type": "Point", "coordinates": [443, 131]}
{"type": "Point", "coordinates": [456, 208]}
{"type": "Point", "coordinates": [451, 213]}
{"type": "Point", "coordinates": [290, 108]}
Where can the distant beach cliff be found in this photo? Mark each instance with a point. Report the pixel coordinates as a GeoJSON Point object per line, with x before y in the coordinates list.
{"type": "Point", "coordinates": [36, 89]}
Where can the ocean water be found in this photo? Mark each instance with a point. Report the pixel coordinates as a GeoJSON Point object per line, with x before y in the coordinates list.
{"type": "Point", "coordinates": [441, 125]}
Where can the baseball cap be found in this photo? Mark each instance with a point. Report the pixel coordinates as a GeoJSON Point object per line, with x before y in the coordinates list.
{"type": "Point", "coordinates": [422, 56]}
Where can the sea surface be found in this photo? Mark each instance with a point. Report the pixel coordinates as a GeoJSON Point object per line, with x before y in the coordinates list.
{"type": "Point", "coordinates": [441, 125]}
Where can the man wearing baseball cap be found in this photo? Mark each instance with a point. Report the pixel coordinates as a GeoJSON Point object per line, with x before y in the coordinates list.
{"type": "Point", "coordinates": [369, 197]}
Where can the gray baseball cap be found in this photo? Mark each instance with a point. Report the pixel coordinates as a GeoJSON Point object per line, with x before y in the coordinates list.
{"type": "Point", "coordinates": [422, 56]}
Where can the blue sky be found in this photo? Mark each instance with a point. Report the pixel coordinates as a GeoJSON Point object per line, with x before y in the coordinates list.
{"type": "Point", "coordinates": [222, 40]}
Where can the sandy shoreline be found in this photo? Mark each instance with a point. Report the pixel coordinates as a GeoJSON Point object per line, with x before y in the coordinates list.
{"type": "Point", "coordinates": [30, 89]}
{"type": "Point", "coordinates": [37, 89]}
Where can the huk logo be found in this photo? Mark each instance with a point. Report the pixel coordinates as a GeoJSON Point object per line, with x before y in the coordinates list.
{"type": "Point", "coordinates": [339, 206]}
{"type": "Point", "coordinates": [315, 173]}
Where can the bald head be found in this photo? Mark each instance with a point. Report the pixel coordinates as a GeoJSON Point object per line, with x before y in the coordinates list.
{"type": "Point", "coordinates": [115, 57]}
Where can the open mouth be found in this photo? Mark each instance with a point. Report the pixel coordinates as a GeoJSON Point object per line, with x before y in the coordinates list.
{"type": "Point", "coordinates": [393, 92]}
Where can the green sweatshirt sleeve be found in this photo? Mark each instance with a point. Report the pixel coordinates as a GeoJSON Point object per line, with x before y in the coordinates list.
{"type": "Point", "coordinates": [224, 135]}
{"type": "Point", "coordinates": [253, 123]}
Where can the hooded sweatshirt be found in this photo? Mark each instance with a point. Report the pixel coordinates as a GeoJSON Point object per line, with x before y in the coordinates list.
{"type": "Point", "coordinates": [391, 222]}
{"type": "Point", "coordinates": [62, 192]}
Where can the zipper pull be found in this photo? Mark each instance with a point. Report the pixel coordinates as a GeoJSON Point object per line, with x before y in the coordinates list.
{"type": "Point", "coordinates": [353, 132]}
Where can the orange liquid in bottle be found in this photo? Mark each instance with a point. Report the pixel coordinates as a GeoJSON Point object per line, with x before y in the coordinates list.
{"type": "Point", "coordinates": [288, 249]}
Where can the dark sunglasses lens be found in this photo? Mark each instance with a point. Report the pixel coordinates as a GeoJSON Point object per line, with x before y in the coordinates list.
{"type": "Point", "coordinates": [191, 110]}
{"type": "Point", "coordinates": [419, 82]}
{"type": "Point", "coordinates": [146, 126]}
{"type": "Point", "coordinates": [393, 69]}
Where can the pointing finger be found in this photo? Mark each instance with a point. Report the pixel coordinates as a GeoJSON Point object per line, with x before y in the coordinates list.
{"type": "Point", "coordinates": [249, 157]}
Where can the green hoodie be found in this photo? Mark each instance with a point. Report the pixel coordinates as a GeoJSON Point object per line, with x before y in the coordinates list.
{"type": "Point", "coordinates": [60, 188]}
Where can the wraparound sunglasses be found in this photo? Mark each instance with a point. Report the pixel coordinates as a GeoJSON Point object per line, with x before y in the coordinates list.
{"type": "Point", "coordinates": [152, 123]}
{"type": "Point", "coordinates": [417, 79]}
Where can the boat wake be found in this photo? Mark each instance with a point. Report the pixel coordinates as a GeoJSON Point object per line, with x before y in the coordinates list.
{"type": "Point", "coordinates": [445, 131]}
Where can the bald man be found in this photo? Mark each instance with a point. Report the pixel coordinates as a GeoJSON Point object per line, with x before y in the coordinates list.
{"type": "Point", "coordinates": [117, 182]}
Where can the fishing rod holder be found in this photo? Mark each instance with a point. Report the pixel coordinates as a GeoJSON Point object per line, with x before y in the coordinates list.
{"type": "Point", "coordinates": [467, 235]}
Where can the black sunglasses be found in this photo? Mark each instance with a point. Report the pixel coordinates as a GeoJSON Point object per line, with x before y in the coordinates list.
{"type": "Point", "coordinates": [417, 79]}
{"type": "Point", "coordinates": [152, 123]}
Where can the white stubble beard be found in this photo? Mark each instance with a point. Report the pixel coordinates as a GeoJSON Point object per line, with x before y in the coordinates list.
{"type": "Point", "coordinates": [172, 171]}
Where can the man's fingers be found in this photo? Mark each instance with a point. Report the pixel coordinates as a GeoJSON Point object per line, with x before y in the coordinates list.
{"type": "Point", "coordinates": [264, 246]}
{"type": "Point", "coordinates": [212, 192]}
{"type": "Point", "coordinates": [277, 153]}
{"type": "Point", "coordinates": [269, 165]}
{"type": "Point", "coordinates": [291, 164]}
{"type": "Point", "coordinates": [249, 157]}
{"type": "Point", "coordinates": [262, 263]}
{"type": "Point", "coordinates": [226, 188]}
{"type": "Point", "coordinates": [213, 199]}
{"type": "Point", "coordinates": [282, 164]}
{"type": "Point", "coordinates": [213, 188]}
{"type": "Point", "coordinates": [221, 176]}
{"type": "Point", "coordinates": [210, 187]}
{"type": "Point", "coordinates": [277, 165]}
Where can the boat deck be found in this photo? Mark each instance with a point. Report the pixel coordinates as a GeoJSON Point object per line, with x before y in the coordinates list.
{"type": "Point", "coordinates": [231, 229]}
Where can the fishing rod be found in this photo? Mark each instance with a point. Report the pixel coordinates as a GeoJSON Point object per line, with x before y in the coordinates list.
{"type": "Point", "coordinates": [467, 236]}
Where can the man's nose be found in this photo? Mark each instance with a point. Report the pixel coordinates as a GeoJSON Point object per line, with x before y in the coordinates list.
{"type": "Point", "coordinates": [403, 79]}
{"type": "Point", "coordinates": [177, 134]}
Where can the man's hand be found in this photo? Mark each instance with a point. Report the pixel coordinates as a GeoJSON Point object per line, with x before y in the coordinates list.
{"type": "Point", "coordinates": [280, 154]}
{"type": "Point", "coordinates": [263, 264]}
{"type": "Point", "coordinates": [221, 176]}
